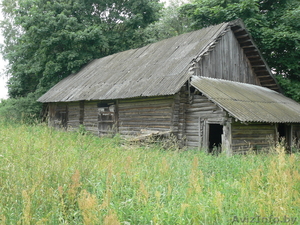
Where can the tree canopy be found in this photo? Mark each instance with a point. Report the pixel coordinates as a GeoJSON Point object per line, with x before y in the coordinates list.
{"type": "Point", "coordinates": [46, 41]}
{"type": "Point", "coordinates": [274, 25]}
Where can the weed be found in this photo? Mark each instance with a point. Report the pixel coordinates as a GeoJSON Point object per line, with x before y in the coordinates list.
{"type": "Point", "coordinates": [53, 177]}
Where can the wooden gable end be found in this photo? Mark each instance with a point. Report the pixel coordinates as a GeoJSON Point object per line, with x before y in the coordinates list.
{"type": "Point", "coordinates": [228, 61]}
{"type": "Point", "coordinates": [234, 56]}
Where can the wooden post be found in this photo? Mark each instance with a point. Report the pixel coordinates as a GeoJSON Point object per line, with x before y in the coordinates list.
{"type": "Point", "coordinates": [226, 138]}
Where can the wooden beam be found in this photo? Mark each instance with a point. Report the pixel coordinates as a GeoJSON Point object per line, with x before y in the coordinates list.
{"type": "Point", "coordinates": [255, 56]}
{"type": "Point", "coordinates": [265, 71]}
{"type": "Point", "coordinates": [242, 36]}
{"type": "Point", "coordinates": [238, 30]}
{"type": "Point", "coordinates": [259, 66]}
{"type": "Point", "coordinates": [251, 51]}
{"type": "Point", "coordinates": [263, 76]}
{"type": "Point", "coordinates": [258, 71]}
{"type": "Point", "coordinates": [255, 60]}
{"type": "Point", "coordinates": [245, 41]}
{"type": "Point", "coordinates": [266, 82]}
{"type": "Point", "coordinates": [248, 46]}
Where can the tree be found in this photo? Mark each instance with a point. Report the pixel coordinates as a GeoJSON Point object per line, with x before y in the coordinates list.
{"type": "Point", "coordinates": [48, 40]}
{"type": "Point", "coordinates": [171, 23]}
{"type": "Point", "coordinates": [274, 25]}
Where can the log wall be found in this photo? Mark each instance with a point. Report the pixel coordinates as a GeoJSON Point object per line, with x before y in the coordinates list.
{"type": "Point", "coordinates": [179, 114]}
{"type": "Point", "coordinates": [227, 61]}
{"type": "Point", "coordinates": [58, 115]}
{"type": "Point", "coordinates": [200, 111]}
{"type": "Point", "coordinates": [254, 135]}
{"type": "Point", "coordinates": [186, 117]}
{"type": "Point", "coordinates": [153, 113]}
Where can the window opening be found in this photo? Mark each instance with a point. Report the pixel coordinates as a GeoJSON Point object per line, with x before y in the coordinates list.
{"type": "Point", "coordinates": [106, 117]}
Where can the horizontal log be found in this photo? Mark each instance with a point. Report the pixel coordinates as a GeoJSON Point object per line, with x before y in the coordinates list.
{"type": "Point", "coordinates": [133, 113]}
{"type": "Point", "coordinates": [204, 109]}
{"type": "Point", "coordinates": [205, 115]}
{"type": "Point", "coordinates": [145, 105]}
{"type": "Point", "coordinates": [253, 142]}
{"type": "Point", "coordinates": [192, 138]}
{"type": "Point", "coordinates": [192, 145]}
{"type": "Point", "coordinates": [253, 131]}
{"type": "Point", "coordinates": [202, 105]}
{"type": "Point", "coordinates": [252, 127]}
{"type": "Point", "coordinates": [146, 123]}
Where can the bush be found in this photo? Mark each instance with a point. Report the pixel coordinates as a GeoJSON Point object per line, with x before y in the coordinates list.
{"type": "Point", "coordinates": [24, 109]}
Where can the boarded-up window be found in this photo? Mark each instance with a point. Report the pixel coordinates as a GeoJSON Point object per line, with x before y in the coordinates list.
{"type": "Point", "coordinates": [61, 116]}
{"type": "Point", "coordinates": [106, 117]}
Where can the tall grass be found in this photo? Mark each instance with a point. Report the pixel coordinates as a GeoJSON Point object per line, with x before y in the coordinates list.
{"type": "Point", "coordinates": [53, 177]}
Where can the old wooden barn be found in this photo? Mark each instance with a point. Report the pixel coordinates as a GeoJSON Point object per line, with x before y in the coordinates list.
{"type": "Point", "coordinates": [209, 88]}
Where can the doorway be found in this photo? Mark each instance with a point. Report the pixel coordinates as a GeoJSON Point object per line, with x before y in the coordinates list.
{"type": "Point", "coordinates": [285, 135]}
{"type": "Point", "coordinates": [215, 138]}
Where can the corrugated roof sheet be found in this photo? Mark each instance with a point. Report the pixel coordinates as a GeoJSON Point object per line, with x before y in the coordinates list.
{"type": "Point", "coordinates": [249, 103]}
{"type": "Point", "coordinates": [156, 69]}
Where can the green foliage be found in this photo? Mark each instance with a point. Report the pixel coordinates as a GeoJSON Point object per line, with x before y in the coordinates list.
{"type": "Point", "coordinates": [24, 109]}
{"type": "Point", "coordinates": [53, 177]}
{"type": "Point", "coordinates": [291, 87]}
{"type": "Point", "coordinates": [46, 41]}
{"type": "Point", "coordinates": [274, 26]}
{"type": "Point", "coordinates": [52, 39]}
{"type": "Point", "coordinates": [170, 24]}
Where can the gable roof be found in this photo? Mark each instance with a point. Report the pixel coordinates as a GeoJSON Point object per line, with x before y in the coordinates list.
{"type": "Point", "coordinates": [156, 69]}
{"type": "Point", "coordinates": [247, 102]}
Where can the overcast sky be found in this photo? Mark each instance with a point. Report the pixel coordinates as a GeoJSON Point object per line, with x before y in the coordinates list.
{"type": "Point", "coordinates": [3, 79]}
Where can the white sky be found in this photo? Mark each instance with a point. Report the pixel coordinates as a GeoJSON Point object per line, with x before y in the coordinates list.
{"type": "Point", "coordinates": [3, 79]}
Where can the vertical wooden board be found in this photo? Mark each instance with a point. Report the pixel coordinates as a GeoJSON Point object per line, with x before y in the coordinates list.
{"type": "Point", "coordinates": [204, 67]}
{"type": "Point", "coordinates": [232, 51]}
{"type": "Point", "coordinates": [227, 138]}
{"type": "Point", "coordinates": [244, 74]}
{"type": "Point", "coordinates": [226, 60]}
{"type": "Point", "coordinates": [210, 65]}
{"type": "Point", "coordinates": [218, 60]}
{"type": "Point", "coordinates": [235, 58]}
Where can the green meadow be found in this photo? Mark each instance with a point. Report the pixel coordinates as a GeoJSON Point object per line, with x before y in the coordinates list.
{"type": "Point", "coordinates": [54, 177]}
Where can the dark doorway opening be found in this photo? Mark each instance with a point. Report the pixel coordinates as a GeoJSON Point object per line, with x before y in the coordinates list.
{"type": "Point", "coordinates": [215, 138]}
{"type": "Point", "coordinates": [285, 135]}
{"type": "Point", "coordinates": [281, 132]}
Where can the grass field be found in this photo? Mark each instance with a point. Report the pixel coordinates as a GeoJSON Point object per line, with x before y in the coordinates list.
{"type": "Point", "coordinates": [53, 177]}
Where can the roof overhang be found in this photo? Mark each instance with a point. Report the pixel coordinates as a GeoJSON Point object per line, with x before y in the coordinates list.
{"type": "Point", "coordinates": [247, 102]}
